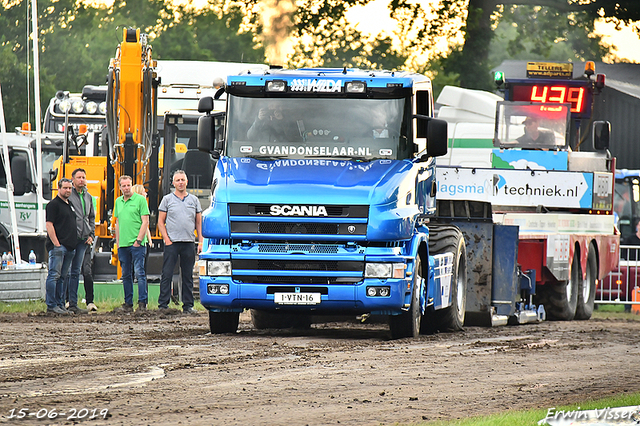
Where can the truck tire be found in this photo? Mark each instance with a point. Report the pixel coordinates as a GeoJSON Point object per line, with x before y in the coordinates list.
{"type": "Point", "coordinates": [265, 319]}
{"type": "Point", "coordinates": [223, 322]}
{"type": "Point", "coordinates": [587, 287]}
{"type": "Point", "coordinates": [407, 324]}
{"type": "Point", "coordinates": [449, 239]}
{"type": "Point", "coordinates": [560, 299]}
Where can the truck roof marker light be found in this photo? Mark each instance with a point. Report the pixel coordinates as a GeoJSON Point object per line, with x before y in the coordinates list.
{"type": "Point", "coordinates": [356, 87]}
{"type": "Point", "coordinates": [26, 127]}
{"type": "Point", "coordinates": [164, 90]}
{"type": "Point", "coordinates": [589, 68]}
{"type": "Point", "coordinates": [498, 78]}
{"type": "Point", "coordinates": [276, 86]}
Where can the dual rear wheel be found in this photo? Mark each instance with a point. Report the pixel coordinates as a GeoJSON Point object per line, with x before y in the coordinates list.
{"type": "Point", "coordinates": [574, 298]}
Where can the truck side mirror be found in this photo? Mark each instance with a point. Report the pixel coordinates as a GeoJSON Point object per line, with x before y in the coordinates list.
{"type": "Point", "coordinates": [205, 104]}
{"type": "Point", "coordinates": [437, 138]}
{"type": "Point", "coordinates": [206, 131]}
{"type": "Point", "coordinates": [601, 135]}
{"type": "Point", "coordinates": [19, 176]}
{"type": "Point", "coordinates": [211, 133]}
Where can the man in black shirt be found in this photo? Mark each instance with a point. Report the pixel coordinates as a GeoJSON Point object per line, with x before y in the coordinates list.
{"type": "Point", "coordinates": [61, 243]}
{"type": "Point", "coordinates": [534, 137]}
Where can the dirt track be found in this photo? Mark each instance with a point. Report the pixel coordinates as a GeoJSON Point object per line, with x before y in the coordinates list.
{"type": "Point", "coordinates": [166, 370]}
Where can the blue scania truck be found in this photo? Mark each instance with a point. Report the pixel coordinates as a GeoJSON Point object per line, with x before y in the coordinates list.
{"type": "Point", "coordinates": [323, 200]}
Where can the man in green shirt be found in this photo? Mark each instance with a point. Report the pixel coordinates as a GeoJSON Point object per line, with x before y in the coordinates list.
{"type": "Point", "coordinates": [132, 221]}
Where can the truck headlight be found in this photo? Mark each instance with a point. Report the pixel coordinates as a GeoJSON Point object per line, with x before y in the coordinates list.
{"type": "Point", "coordinates": [77, 107]}
{"type": "Point", "coordinates": [91, 107]}
{"type": "Point", "coordinates": [102, 108]}
{"type": "Point", "coordinates": [216, 268]}
{"type": "Point", "coordinates": [276, 86]}
{"type": "Point", "coordinates": [384, 270]}
{"type": "Point", "coordinates": [356, 87]}
{"type": "Point", "coordinates": [64, 105]}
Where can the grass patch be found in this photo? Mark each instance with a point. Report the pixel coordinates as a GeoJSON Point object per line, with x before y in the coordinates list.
{"type": "Point", "coordinates": [532, 417]}
{"type": "Point", "coordinates": [611, 307]}
{"type": "Point", "coordinates": [614, 311]}
{"type": "Point", "coordinates": [31, 307]}
{"type": "Point", "coordinates": [105, 304]}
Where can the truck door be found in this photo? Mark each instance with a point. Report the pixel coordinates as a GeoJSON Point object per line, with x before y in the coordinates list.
{"type": "Point", "coordinates": [24, 191]}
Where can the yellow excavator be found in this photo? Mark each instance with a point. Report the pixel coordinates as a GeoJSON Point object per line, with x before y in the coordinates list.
{"type": "Point", "coordinates": [132, 149]}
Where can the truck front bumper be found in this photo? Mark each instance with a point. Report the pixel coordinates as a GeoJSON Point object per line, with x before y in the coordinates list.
{"type": "Point", "coordinates": [333, 298]}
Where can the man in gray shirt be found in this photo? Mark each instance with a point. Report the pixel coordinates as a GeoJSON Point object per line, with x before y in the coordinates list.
{"type": "Point", "coordinates": [82, 203]}
{"type": "Point", "coordinates": [179, 216]}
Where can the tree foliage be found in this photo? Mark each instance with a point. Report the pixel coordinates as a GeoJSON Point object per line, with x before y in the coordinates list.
{"type": "Point", "coordinates": [539, 24]}
{"type": "Point", "coordinates": [77, 40]}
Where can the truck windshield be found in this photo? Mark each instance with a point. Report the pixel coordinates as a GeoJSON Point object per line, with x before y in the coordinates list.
{"type": "Point", "coordinates": [301, 128]}
{"type": "Point", "coordinates": [531, 125]}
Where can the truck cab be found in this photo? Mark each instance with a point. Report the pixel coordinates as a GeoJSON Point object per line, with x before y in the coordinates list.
{"type": "Point", "coordinates": [24, 178]}
{"type": "Point", "coordinates": [323, 187]}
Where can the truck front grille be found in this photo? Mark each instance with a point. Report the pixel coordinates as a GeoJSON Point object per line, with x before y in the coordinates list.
{"type": "Point", "coordinates": [297, 265]}
{"type": "Point", "coordinates": [299, 228]}
{"type": "Point", "coordinates": [255, 279]}
{"type": "Point", "coordinates": [297, 248]}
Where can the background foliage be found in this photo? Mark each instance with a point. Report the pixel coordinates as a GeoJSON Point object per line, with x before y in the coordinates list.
{"type": "Point", "coordinates": [77, 40]}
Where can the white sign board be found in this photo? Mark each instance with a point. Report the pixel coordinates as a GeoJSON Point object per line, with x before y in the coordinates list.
{"type": "Point", "coordinates": [516, 187]}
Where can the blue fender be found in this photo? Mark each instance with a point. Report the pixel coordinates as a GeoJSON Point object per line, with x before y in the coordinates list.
{"type": "Point", "coordinates": [419, 239]}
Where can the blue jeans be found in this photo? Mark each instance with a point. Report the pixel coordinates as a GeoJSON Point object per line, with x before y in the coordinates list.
{"type": "Point", "coordinates": [73, 278]}
{"type": "Point", "coordinates": [187, 254]}
{"type": "Point", "coordinates": [59, 261]}
{"type": "Point", "coordinates": [128, 256]}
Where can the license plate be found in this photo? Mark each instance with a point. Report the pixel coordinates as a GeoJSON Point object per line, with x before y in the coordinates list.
{"type": "Point", "coordinates": [297, 298]}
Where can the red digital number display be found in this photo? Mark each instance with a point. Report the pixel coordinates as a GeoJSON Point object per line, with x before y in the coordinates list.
{"type": "Point", "coordinates": [574, 95]}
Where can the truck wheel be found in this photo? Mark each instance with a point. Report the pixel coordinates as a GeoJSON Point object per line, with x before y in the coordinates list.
{"type": "Point", "coordinates": [265, 319]}
{"type": "Point", "coordinates": [407, 324]}
{"type": "Point", "coordinates": [449, 239]}
{"type": "Point", "coordinates": [223, 322]}
{"type": "Point", "coordinates": [587, 287]}
{"type": "Point", "coordinates": [560, 300]}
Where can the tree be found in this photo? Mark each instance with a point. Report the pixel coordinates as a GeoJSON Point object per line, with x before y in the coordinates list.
{"type": "Point", "coordinates": [78, 40]}
{"type": "Point", "coordinates": [471, 60]}
{"type": "Point", "coordinates": [326, 38]}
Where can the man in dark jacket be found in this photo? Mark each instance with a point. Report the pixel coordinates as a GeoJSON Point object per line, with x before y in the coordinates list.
{"type": "Point", "coordinates": [82, 203]}
{"type": "Point", "coordinates": [61, 241]}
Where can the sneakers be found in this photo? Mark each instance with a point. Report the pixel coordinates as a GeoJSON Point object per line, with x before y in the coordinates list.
{"type": "Point", "coordinates": [142, 307]}
{"type": "Point", "coordinates": [57, 310]}
{"type": "Point", "coordinates": [77, 311]}
{"type": "Point", "coordinates": [91, 307]}
{"type": "Point", "coordinates": [124, 309]}
{"type": "Point", "coordinates": [191, 311]}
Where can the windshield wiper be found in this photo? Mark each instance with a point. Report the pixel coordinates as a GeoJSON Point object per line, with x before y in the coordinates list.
{"type": "Point", "coordinates": [266, 157]}
{"type": "Point", "coordinates": [341, 157]}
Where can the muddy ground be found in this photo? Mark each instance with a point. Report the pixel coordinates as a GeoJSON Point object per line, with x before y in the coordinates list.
{"type": "Point", "coordinates": [168, 370]}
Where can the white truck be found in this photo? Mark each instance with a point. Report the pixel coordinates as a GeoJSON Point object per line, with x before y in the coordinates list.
{"type": "Point", "coordinates": [560, 198]}
{"type": "Point", "coordinates": [24, 178]}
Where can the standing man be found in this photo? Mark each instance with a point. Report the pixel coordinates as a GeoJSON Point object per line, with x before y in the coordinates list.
{"type": "Point", "coordinates": [179, 216]}
{"type": "Point", "coordinates": [61, 244]}
{"type": "Point", "coordinates": [132, 221]}
{"type": "Point", "coordinates": [82, 203]}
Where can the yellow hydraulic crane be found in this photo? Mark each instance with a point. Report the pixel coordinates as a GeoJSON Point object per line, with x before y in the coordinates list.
{"type": "Point", "coordinates": [131, 115]}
